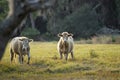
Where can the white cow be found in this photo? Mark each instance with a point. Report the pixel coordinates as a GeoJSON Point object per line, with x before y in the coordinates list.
{"type": "Point", "coordinates": [20, 46]}
{"type": "Point", "coordinates": [65, 44]}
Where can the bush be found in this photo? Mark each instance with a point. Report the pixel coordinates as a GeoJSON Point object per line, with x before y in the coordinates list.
{"type": "Point", "coordinates": [29, 32]}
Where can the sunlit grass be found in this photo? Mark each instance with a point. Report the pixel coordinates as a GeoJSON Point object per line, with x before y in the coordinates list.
{"type": "Point", "coordinates": [92, 62]}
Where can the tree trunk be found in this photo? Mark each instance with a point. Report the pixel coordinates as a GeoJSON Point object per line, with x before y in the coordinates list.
{"type": "Point", "coordinates": [3, 43]}
{"type": "Point", "coordinates": [32, 20]}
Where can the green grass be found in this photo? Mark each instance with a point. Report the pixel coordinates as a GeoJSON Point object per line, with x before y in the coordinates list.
{"type": "Point", "coordinates": [92, 62]}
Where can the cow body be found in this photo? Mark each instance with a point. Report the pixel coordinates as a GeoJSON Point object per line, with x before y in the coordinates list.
{"type": "Point", "coordinates": [65, 44]}
{"type": "Point", "coordinates": [20, 46]}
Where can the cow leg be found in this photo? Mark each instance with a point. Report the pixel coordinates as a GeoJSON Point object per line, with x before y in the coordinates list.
{"type": "Point", "coordinates": [20, 59]}
{"type": "Point", "coordinates": [72, 55]}
{"type": "Point", "coordinates": [15, 55]}
{"type": "Point", "coordinates": [11, 55]}
{"type": "Point", "coordinates": [66, 56]}
{"type": "Point", "coordinates": [28, 58]}
{"type": "Point", "coordinates": [61, 56]}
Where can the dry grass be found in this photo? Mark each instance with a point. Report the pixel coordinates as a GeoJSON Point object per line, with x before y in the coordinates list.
{"type": "Point", "coordinates": [102, 39]}
{"type": "Point", "coordinates": [92, 62]}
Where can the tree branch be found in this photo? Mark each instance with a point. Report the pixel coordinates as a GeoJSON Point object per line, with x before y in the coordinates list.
{"type": "Point", "coordinates": [39, 5]}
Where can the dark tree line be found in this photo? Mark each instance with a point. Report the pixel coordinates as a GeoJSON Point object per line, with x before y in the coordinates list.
{"type": "Point", "coordinates": [108, 9]}
{"type": "Point", "coordinates": [75, 16]}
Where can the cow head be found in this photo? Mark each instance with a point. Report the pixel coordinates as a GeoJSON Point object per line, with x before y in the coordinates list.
{"type": "Point", "coordinates": [64, 36]}
{"type": "Point", "coordinates": [25, 44]}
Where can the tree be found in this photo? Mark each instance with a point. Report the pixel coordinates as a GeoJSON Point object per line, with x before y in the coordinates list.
{"type": "Point", "coordinates": [18, 10]}
{"type": "Point", "coordinates": [1, 10]}
{"type": "Point", "coordinates": [109, 15]}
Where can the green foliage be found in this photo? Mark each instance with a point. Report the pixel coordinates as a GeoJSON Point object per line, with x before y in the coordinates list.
{"type": "Point", "coordinates": [75, 16]}
{"type": "Point", "coordinates": [4, 6]}
{"type": "Point", "coordinates": [48, 37]}
{"type": "Point", "coordinates": [30, 32]}
{"type": "Point", "coordinates": [2, 16]}
{"type": "Point", "coordinates": [83, 22]}
{"type": "Point", "coordinates": [118, 7]}
{"type": "Point", "coordinates": [113, 39]}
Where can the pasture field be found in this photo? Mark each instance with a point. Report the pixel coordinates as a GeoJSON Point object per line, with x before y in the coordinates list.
{"type": "Point", "coordinates": [92, 62]}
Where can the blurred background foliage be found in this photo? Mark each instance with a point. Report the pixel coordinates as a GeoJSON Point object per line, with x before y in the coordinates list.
{"type": "Point", "coordinates": [83, 18]}
{"type": "Point", "coordinates": [3, 9]}
{"type": "Point", "coordinates": [30, 32]}
{"type": "Point", "coordinates": [82, 22]}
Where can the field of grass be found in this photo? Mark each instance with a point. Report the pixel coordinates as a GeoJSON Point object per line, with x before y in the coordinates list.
{"type": "Point", "coordinates": [92, 62]}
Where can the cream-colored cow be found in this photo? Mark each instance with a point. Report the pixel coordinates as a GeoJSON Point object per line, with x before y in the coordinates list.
{"type": "Point", "coordinates": [65, 44]}
{"type": "Point", "coordinates": [20, 46]}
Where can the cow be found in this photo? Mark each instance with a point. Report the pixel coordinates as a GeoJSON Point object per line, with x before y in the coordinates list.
{"type": "Point", "coordinates": [65, 45]}
{"type": "Point", "coordinates": [20, 46]}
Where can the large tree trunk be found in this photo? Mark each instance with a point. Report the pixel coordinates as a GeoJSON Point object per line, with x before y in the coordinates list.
{"type": "Point", "coordinates": [3, 43]}
{"type": "Point", "coordinates": [18, 11]}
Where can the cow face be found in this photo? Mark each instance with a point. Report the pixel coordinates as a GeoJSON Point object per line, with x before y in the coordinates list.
{"type": "Point", "coordinates": [25, 44]}
{"type": "Point", "coordinates": [64, 36]}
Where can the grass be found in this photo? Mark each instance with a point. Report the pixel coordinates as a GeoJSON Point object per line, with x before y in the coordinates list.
{"type": "Point", "coordinates": [92, 62]}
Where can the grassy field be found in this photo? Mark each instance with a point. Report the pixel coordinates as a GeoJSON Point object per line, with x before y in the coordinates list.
{"type": "Point", "coordinates": [92, 62]}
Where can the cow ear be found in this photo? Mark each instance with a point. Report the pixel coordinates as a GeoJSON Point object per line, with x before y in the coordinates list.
{"type": "Point", "coordinates": [30, 40]}
{"type": "Point", "coordinates": [21, 39]}
{"type": "Point", "coordinates": [60, 35]}
{"type": "Point", "coordinates": [70, 34]}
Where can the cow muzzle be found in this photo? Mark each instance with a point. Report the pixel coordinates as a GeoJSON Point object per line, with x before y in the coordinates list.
{"type": "Point", "coordinates": [25, 50]}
